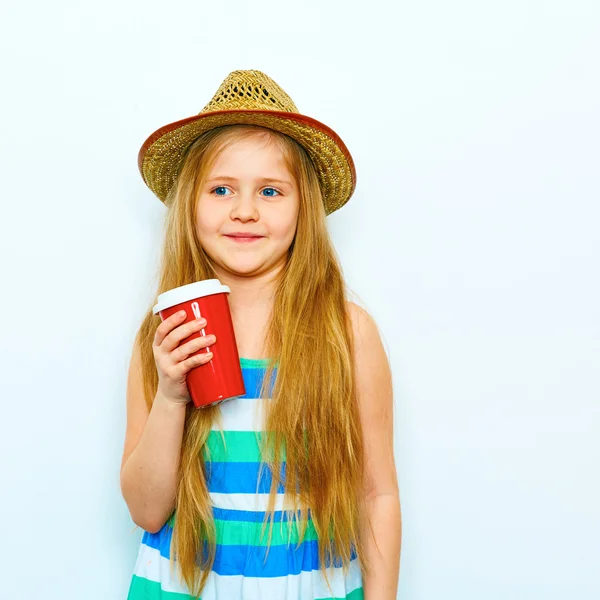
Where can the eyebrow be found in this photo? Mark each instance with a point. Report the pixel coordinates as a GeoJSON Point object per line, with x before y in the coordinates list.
{"type": "Point", "coordinates": [262, 179]}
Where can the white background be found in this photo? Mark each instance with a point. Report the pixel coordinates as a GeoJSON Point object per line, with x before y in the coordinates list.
{"type": "Point", "coordinates": [472, 238]}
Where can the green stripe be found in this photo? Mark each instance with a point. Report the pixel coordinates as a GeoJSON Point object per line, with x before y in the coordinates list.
{"type": "Point", "coordinates": [254, 363]}
{"type": "Point", "coordinates": [238, 446]}
{"type": "Point", "coordinates": [240, 533]}
{"type": "Point", "coordinates": [144, 589]}
{"type": "Point", "coordinates": [235, 446]}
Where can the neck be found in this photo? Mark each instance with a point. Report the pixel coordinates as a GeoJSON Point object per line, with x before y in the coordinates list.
{"type": "Point", "coordinates": [251, 296]}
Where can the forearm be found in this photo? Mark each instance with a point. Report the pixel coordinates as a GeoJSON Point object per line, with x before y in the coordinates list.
{"type": "Point", "coordinates": [383, 550]}
{"type": "Point", "coordinates": [149, 476]}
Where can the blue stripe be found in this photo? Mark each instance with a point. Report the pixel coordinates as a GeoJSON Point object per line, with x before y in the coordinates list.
{"type": "Point", "coordinates": [240, 477]}
{"type": "Point", "coordinates": [253, 378]}
{"type": "Point", "coordinates": [161, 540]}
{"type": "Point", "coordinates": [250, 516]}
{"type": "Point", "coordinates": [250, 560]}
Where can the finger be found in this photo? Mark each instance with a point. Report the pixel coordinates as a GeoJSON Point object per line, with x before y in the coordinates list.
{"type": "Point", "coordinates": [194, 345]}
{"type": "Point", "coordinates": [166, 326]}
{"type": "Point", "coordinates": [186, 365]}
{"type": "Point", "coordinates": [181, 332]}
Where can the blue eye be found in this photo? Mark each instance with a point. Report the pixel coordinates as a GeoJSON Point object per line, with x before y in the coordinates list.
{"type": "Point", "coordinates": [270, 188]}
{"type": "Point", "coordinates": [221, 187]}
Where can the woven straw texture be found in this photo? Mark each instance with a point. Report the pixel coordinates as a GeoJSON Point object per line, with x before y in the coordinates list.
{"type": "Point", "coordinates": [251, 97]}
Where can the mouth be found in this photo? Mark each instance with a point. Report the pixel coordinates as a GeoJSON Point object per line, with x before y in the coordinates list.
{"type": "Point", "coordinates": [244, 239]}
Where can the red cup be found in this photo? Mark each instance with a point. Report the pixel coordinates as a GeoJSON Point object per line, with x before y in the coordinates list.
{"type": "Point", "coordinates": [221, 378]}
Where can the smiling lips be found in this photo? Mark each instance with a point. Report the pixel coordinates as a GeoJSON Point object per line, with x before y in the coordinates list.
{"type": "Point", "coordinates": [244, 238]}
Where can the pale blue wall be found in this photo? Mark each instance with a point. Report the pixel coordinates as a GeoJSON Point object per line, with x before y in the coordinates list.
{"type": "Point", "coordinates": [472, 238]}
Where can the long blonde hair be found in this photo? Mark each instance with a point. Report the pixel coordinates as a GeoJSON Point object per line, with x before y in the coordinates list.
{"type": "Point", "coordinates": [313, 416]}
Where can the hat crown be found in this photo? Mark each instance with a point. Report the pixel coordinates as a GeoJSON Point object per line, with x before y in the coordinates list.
{"type": "Point", "coordinates": [250, 90]}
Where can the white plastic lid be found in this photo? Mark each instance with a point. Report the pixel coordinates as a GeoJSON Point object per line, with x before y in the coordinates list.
{"type": "Point", "coordinates": [187, 292]}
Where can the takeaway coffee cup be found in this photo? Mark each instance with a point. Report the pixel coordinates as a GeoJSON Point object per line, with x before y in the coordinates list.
{"type": "Point", "coordinates": [220, 378]}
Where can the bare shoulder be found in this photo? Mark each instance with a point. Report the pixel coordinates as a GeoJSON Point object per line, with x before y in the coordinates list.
{"type": "Point", "coordinates": [365, 331]}
{"type": "Point", "coordinates": [372, 364]}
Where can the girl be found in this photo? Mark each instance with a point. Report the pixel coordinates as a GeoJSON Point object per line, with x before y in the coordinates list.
{"type": "Point", "coordinates": [312, 509]}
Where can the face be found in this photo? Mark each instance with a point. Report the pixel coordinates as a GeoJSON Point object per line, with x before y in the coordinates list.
{"type": "Point", "coordinates": [248, 190]}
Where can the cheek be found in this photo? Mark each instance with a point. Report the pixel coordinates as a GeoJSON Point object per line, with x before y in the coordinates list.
{"type": "Point", "coordinates": [207, 221]}
{"type": "Point", "coordinates": [292, 225]}
{"type": "Point", "coordinates": [281, 231]}
{"type": "Point", "coordinates": [205, 225]}
{"type": "Point", "coordinates": [285, 223]}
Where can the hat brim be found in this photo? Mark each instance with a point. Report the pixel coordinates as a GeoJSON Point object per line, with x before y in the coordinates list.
{"type": "Point", "coordinates": [161, 155]}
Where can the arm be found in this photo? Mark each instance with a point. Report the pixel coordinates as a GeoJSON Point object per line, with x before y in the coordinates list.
{"type": "Point", "coordinates": [383, 550]}
{"type": "Point", "coordinates": [375, 400]}
{"type": "Point", "coordinates": [152, 453]}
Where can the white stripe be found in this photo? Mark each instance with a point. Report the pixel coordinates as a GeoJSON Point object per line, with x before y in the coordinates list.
{"type": "Point", "coordinates": [307, 584]}
{"type": "Point", "coordinates": [242, 414]}
{"type": "Point", "coordinates": [254, 502]}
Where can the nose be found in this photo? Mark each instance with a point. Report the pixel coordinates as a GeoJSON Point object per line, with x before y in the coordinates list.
{"type": "Point", "coordinates": [244, 207]}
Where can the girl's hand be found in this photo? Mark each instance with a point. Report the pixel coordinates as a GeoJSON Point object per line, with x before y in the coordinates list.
{"type": "Point", "coordinates": [174, 361]}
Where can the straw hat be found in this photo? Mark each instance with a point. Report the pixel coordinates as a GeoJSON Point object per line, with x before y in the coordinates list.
{"type": "Point", "coordinates": [254, 98]}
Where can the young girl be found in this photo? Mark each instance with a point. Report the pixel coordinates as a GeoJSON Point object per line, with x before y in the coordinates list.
{"type": "Point", "coordinates": [290, 491]}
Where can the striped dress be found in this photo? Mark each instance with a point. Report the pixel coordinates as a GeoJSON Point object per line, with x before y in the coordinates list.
{"type": "Point", "coordinates": [239, 499]}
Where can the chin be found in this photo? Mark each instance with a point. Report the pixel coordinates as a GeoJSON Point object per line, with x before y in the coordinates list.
{"type": "Point", "coordinates": [240, 263]}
